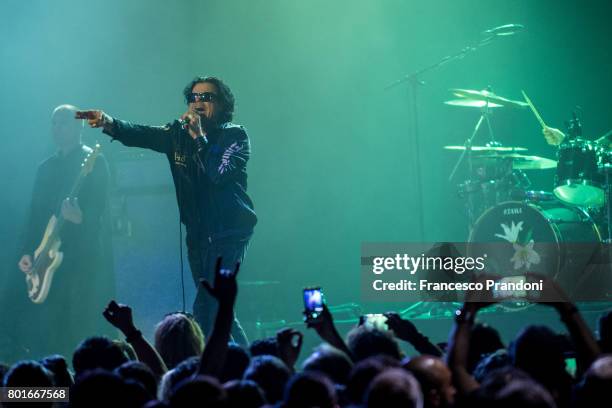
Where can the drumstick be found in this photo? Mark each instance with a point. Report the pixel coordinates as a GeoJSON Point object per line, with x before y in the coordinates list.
{"type": "Point", "coordinates": [604, 137]}
{"type": "Point", "coordinates": [534, 110]}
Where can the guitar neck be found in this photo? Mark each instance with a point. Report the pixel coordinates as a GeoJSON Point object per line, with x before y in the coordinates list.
{"type": "Point", "coordinates": [74, 191]}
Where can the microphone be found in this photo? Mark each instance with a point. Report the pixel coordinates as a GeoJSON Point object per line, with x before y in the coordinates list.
{"type": "Point", "coordinates": [508, 29]}
{"type": "Point", "coordinates": [201, 141]}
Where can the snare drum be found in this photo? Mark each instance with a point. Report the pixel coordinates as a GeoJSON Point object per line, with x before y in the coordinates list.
{"type": "Point", "coordinates": [578, 180]}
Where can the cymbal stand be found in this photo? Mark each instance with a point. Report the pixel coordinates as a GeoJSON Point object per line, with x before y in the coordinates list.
{"type": "Point", "coordinates": [484, 116]}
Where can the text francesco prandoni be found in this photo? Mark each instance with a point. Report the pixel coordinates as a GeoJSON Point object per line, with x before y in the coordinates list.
{"type": "Point", "coordinates": [410, 264]}
{"type": "Point", "coordinates": [458, 265]}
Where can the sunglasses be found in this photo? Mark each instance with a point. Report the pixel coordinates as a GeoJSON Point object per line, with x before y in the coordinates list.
{"type": "Point", "coordinates": [202, 97]}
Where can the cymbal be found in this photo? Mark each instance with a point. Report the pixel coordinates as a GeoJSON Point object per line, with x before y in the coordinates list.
{"type": "Point", "coordinates": [533, 163]}
{"type": "Point", "coordinates": [488, 148]}
{"type": "Point", "coordinates": [471, 103]}
{"type": "Point", "coordinates": [487, 96]}
{"type": "Point", "coordinates": [605, 139]}
{"type": "Point", "coordinates": [523, 162]}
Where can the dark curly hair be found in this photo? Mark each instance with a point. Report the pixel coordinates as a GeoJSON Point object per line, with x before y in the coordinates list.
{"type": "Point", "coordinates": [226, 97]}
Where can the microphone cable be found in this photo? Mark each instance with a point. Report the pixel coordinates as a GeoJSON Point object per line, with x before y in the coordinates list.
{"type": "Point", "coordinates": [181, 263]}
{"type": "Point", "coordinates": [182, 270]}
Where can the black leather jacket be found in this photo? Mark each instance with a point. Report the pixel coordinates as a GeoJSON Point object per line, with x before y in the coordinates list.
{"type": "Point", "coordinates": [210, 178]}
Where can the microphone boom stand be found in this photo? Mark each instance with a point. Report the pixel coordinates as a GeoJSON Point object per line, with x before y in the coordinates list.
{"type": "Point", "coordinates": [413, 79]}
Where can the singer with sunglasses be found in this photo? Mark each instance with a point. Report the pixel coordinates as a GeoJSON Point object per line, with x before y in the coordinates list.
{"type": "Point", "coordinates": [208, 155]}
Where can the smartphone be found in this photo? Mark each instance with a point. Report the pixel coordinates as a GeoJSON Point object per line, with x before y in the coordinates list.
{"type": "Point", "coordinates": [376, 321]}
{"type": "Point", "coordinates": [505, 292]}
{"type": "Point", "coordinates": [313, 303]}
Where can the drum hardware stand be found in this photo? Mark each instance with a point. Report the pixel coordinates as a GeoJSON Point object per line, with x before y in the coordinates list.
{"type": "Point", "coordinates": [414, 80]}
{"type": "Point", "coordinates": [574, 127]}
{"type": "Point", "coordinates": [484, 116]}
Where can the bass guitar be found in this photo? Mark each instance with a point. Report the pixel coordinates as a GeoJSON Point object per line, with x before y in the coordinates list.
{"type": "Point", "coordinates": [48, 256]}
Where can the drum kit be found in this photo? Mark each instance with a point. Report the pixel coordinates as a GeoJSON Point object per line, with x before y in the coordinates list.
{"type": "Point", "coordinates": [501, 207]}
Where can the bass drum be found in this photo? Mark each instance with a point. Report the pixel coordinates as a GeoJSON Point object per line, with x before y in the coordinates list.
{"type": "Point", "coordinates": [548, 238]}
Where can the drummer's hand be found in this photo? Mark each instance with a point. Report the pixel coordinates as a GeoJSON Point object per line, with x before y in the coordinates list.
{"type": "Point", "coordinates": [553, 136]}
{"type": "Point", "coordinates": [95, 118]}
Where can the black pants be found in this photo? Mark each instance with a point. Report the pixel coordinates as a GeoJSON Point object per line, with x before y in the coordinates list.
{"type": "Point", "coordinates": [202, 260]}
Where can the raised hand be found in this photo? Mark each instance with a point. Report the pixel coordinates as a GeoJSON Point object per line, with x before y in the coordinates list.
{"type": "Point", "coordinates": [324, 324]}
{"type": "Point", "coordinates": [553, 136]}
{"type": "Point", "coordinates": [225, 290]}
{"type": "Point", "coordinates": [551, 293]}
{"type": "Point", "coordinates": [582, 337]}
{"type": "Point", "coordinates": [225, 287]}
{"type": "Point", "coordinates": [403, 329]}
{"type": "Point", "coordinates": [325, 328]}
{"type": "Point", "coordinates": [289, 345]}
{"type": "Point", "coordinates": [95, 118]}
{"type": "Point", "coordinates": [120, 316]}
{"type": "Point", "coordinates": [479, 299]}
